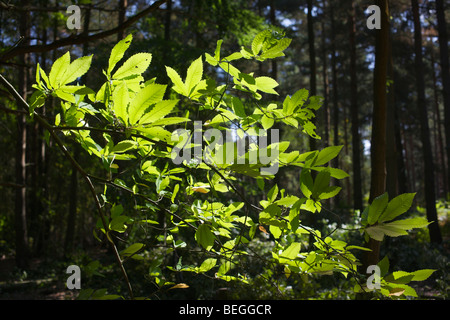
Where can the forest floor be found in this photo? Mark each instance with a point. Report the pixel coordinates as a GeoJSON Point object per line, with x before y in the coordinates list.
{"type": "Point", "coordinates": [46, 279]}
{"type": "Point", "coordinates": [24, 287]}
{"type": "Point", "coordinates": [52, 288]}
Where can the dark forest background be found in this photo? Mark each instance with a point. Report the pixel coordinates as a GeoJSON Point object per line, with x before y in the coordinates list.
{"type": "Point", "coordinates": [45, 212]}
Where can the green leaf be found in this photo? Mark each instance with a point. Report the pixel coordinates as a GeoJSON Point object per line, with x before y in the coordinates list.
{"type": "Point", "coordinates": [135, 247]}
{"type": "Point", "coordinates": [210, 59]}
{"type": "Point", "coordinates": [377, 208]}
{"type": "Point", "coordinates": [266, 84]}
{"type": "Point", "coordinates": [205, 237]}
{"type": "Point", "coordinates": [135, 65]}
{"type": "Point", "coordinates": [217, 51]}
{"type": "Point", "coordinates": [124, 146]}
{"type": "Point", "coordinates": [306, 182]}
{"type": "Point", "coordinates": [272, 194]}
{"type": "Point", "coordinates": [397, 206]}
{"type": "Point", "coordinates": [275, 231]}
{"type": "Point", "coordinates": [327, 155]}
{"type": "Point", "coordinates": [169, 121]}
{"type": "Point", "coordinates": [267, 122]}
{"type": "Point", "coordinates": [230, 69]}
{"type": "Point", "coordinates": [421, 275]}
{"type": "Point", "coordinates": [118, 224]}
{"type": "Point", "coordinates": [291, 103]}
{"type": "Point", "coordinates": [408, 224]}
{"type": "Point", "coordinates": [378, 232]}
{"type": "Point", "coordinates": [43, 75]}
{"type": "Point", "coordinates": [329, 192]}
{"type": "Point", "coordinates": [259, 40]}
{"type": "Point", "coordinates": [58, 69]}
{"type": "Point", "coordinates": [233, 56]}
{"type": "Point", "coordinates": [121, 98]}
{"type": "Point", "coordinates": [238, 107]}
{"type": "Point", "coordinates": [290, 253]}
{"type": "Point", "coordinates": [277, 50]}
{"type": "Point", "coordinates": [384, 266]}
{"type": "Point", "coordinates": [299, 97]}
{"type": "Point", "coordinates": [118, 51]}
{"type": "Point", "coordinates": [159, 111]}
{"type": "Point", "coordinates": [207, 265]}
{"type": "Point", "coordinates": [194, 75]}
{"type": "Point", "coordinates": [179, 86]}
{"type": "Point", "coordinates": [76, 69]}
{"type": "Point", "coordinates": [321, 183]}
{"type": "Point", "coordinates": [147, 96]}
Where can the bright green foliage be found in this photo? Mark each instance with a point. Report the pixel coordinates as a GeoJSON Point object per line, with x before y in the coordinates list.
{"type": "Point", "coordinates": [134, 145]}
{"type": "Point", "coordinates": [381, 210]}
{"type": "Point", "coordinates": [396, 283]}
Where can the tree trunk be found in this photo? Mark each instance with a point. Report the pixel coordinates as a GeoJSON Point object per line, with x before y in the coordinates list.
{"type": "Point", "coordinates": [73, 201]}
{"type": "Point", "coordinates": [356, 140]}
{"type": "Point", "coordinates": [445, 71]}
{"type": "Point", "coordinates": [22, 248]}
{"type": "Point", "coordinates": [326, 89]}
{"type": "Point", "coordinates": [438, 134]}
{"type": "Point", "coordinates": [392, 175]}
{"type": "Point", "coordinates": [70, 231]}
{"type": "Point", "coordinates": [122, 11]}
{"type": "Point", "coordinates": [335, 161]}
{"type": "Point", "coordinates": [312, 65]}
{"type": "Point", "coordinates": [378, 140]}
{"type": "Point", "coordinates": [273, 21]}
{"type": "Point", "coordinates": [430, 196]}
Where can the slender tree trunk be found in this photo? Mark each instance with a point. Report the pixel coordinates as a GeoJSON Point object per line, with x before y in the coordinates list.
{"type": "Point", "coordinates": [312, 64]}
{"type": "Point", "coordinates": [392, 175]}
{"type": "Point", "coordinates": [335, 161]}
{"type": "Point", "coordinates": [401, 164]}
{"type": "Point", "coordinates": [273, 21]}
{"type": "Point", "coordinates": [70, 232]}
{"type": "Point", "coordinates": [22, 247]}
{"type": "Point", "coordinates": [326, 89]}
{"type": "Point", "coordinates": [445, 71]}
{"type": "Point", "coordinates": [356, 139]}
{"type": "Point", "coordinates": [378, 141]}
{"type": "Point", "coordinates": [73, 201]}
{"type": "Point", "coordinates": [430, 196]}
{"type": "Point", "coordinates": [438, 135]}
{"type": "Point", "coordinates": [122, 11]}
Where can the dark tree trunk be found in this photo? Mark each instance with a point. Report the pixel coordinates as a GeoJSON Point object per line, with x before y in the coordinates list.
{"type": "Point", "coordinates": [122, 11]}
{"type": "Point", "coordinates": [335, 161]}
{"type": "Point", "coordinates": [378, 141]}
{"type": "Point", "coordinates": [312, 64]}
{"type": "Point", "coordinates": [430, 195]}
{"type": "Point", "coordinates": [439, 140]}
{"type": "Point", "coordinates": [392, 175]}
{"type": "Point", "coordinates": [273, 21]}
{"type": "Point", "coordinates": [356, 139]}
{"type": "Point", "coordinates": [22, 248]}
{"type": "Point", "coordinates": [326, 89]}
{"type": "Point", "coordinates": [445, 71]}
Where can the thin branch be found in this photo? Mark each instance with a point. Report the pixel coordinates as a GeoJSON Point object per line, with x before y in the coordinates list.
{"type": "Point", "coordinates": [75, 164]}
{"type": "Point", "coordinates": [81, 38]}
{"type": "Point", "coordinates": [11, 7]}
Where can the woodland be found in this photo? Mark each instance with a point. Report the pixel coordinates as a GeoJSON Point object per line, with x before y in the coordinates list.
{"type": "Point", "coordinates": [90, 103]}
